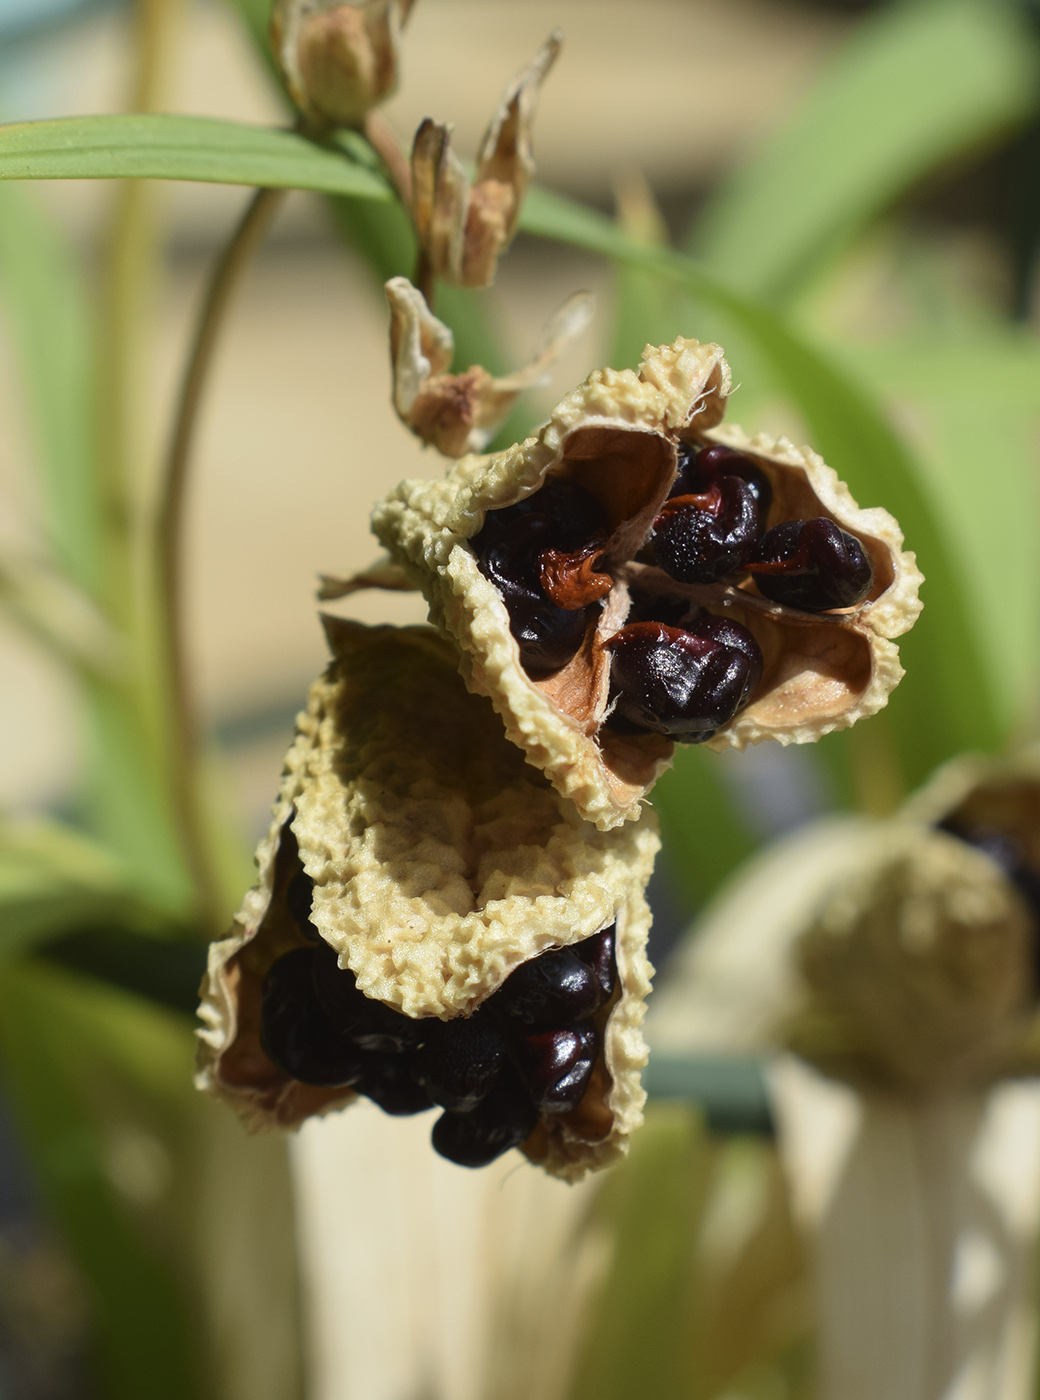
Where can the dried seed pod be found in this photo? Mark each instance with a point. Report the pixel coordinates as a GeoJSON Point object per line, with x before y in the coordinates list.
{"type": "Point", "coordinates": [440, 862]}
{"type": "Point", "coordinates": [918, 970]}
{"type": "Point", "coordinates": [337, 60]}
{"type": "Point", "coordinates": [619, 439]}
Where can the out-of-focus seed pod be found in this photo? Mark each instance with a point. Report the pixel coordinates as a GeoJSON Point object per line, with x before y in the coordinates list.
{"type": "Point", "coordinates": [464, 228]}
{"type": "Point", "coordinates": [440, 862]}
{"type": "Point", "coordinates": [458, 413]}
{"type": "Point", "coordinates": [338, 61]}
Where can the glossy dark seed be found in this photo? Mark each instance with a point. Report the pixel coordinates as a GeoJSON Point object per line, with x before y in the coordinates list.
{"type": "Point", "coordinates": [702, 538]}
{"type": "Point", "coordinates": [684, 683]}
{"type": "Point", "coordinates": [597, 953]}
{"type": "Point", "coordinates": [812, 565]}
{"type": "Point", "coordinates": [501, 1121]}
{"type": "Point", "coordinates": [370, 1024]}
{"type": "Point", "coordinates": [299, 896]}
{"type": "Point", "coordinates": [460, 1062]}
{"type": "Point", "coordinates": [551, 990]}
{"type": "Point", "coordinates": [556, 1065]}
{"type": "Point", "coordinates": [699, 468]}
{"type": "Point", "coordinates": [295, 1032]}
{"type": "Point", "coordinates": [390, 1081]}
{"type": "Point", "coordinates": [560, 517]}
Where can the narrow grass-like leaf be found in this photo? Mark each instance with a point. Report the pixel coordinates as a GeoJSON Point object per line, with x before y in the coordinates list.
{"type": "Point", "coordinates": [51, 879]}
{"type": "Point", "coordinates": [946, 702]}
{"type": "Point", "coordinates": [156, 146]}
{"type": "Point", "coordinates": [649, 1207]}
{"type": "Point", "coordinates": [705, 837]}
{"type": "Point", "coordinates": [45, 305]}
{"type": "Point", "coordinates": [145, 1341]}
{"type": "Point", "coordinates": [915, 85]}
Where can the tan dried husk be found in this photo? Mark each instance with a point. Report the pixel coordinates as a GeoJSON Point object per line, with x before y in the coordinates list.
{"type": "Point", "coordinates": [616, 435]}
{"type": "Point", "coordinates": [337, 60]}
{"type": "Point", "coordinates": [441, 862]}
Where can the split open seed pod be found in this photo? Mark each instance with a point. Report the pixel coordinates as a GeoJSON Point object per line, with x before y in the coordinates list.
{"type": "Point", "coordinates": [438, 863]}
{"type": "Point", "coordinates": [619, 437]}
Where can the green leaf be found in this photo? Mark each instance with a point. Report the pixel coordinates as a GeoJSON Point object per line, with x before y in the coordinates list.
{"type": "Point", "coordinates": [54, 1067]}
{"type": "Point", "coordinates": [914, 86]}
{"type": "Point", "coordinates": [946, 703]}
{"type": "Point", "coordinates": [46, 307]}
{"type": "Point", "coordinates": [153, 146]}
{"type": "Point", "coordinates": [635, 1342]}
{"type": "Point", "coordinates": [705, 838]}
{"type": "Point", "coordinates": [52, 879]}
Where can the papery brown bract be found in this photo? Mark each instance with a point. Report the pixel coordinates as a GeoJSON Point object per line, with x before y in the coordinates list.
{"type": "Point", "coordinates": [464, 228]}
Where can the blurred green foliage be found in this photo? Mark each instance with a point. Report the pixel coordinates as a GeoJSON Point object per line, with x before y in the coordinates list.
{"type": "Point", "coordinates": [932, 414]}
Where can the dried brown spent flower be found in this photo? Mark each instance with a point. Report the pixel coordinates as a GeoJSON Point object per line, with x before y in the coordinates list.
{"type": "Point", "coordinates": [458, 413]}
{"type": "Point", "coordinates": [338, 61]}
{"type": "Point", "coordinates": [918, 970]}
{"type": "Point", "coordinates": [438, 863]}
{"type": "Point", "coordinates": [464, 229]}
{"type": "Point", "coordinates": [615, 443]}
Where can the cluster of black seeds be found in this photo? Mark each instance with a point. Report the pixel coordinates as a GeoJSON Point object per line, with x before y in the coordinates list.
{"type": "Point", "coordinates": [528, 1050]}
{"type": "Point", "coordinates": [524, 550]}
{"type": "Point", "coordinates": [678, 671]}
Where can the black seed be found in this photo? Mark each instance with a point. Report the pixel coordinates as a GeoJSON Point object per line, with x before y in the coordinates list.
{"type": "Point", "coordinates": [597, 953]}
{"type": "Point", "coordinates": [294, 1030]}
{"type": "Point", "coordinates": [702, 538]}
{"type": "Point", "coordinates": [370, 1024]}
{"type": "Point", "coordinates": [699, 468]}
{"type": "Point", "coordinates": [299, 896]}
{"type": "Point", "coordinates": [389, 1080]}
{"type": "Point", "coordinates": [501, 1121]}
{"type": "Point", "coordinates": [460, 1062]}
{"type": "Point", "coordinates": [551, 990]}
{"type": "Point", "coordinates": [556, 1066]}
{"type": "Point", "coordinates": [683, 683]}
{"type": "Point", "coordinates": [812, 565]}
{"type": "Point", "coordinates": [560, 516]}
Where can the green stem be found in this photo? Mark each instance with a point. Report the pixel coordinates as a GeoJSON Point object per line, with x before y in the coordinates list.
{"type": "Point", "coordinates": [185, 776]}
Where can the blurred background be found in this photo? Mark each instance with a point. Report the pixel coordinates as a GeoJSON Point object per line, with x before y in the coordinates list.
{"type": "Point", "coordinates": [871, 173]}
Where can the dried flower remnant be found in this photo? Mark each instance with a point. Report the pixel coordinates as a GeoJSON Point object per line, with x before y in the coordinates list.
{"type": "Point", "coordinates": [625, 579]}
{"type": "Point", "coordinates": [338, 61]}
{"type": "Point", "coordinates": [464, 229]}
{"type": "Point", "coordinates": [458, 413]}
{"type": "Point", "coordinates": [433, 926]}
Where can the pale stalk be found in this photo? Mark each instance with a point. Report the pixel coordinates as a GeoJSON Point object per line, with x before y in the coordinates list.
{"type": "Point", "coordinates": [923, 1214]}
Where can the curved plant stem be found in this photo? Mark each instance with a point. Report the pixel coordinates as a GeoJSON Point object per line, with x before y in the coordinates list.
{"type": "Point", "coordinates": [185, 777]}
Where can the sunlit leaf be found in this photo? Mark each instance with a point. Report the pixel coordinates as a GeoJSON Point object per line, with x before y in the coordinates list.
{"type": "Point", "coordinates": [156, 146]}
{"type": "Point", "coordinates": [915, 85]}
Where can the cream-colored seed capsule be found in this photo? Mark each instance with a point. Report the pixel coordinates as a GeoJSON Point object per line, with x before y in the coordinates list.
{"type": "Point", "coordinates": [617, 436]}
{"type": "Point", "coordinates": [441, 862]}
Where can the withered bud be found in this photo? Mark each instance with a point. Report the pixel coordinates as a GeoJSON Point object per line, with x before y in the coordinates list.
{"type": "Point", "coordinates": [338, 61]}
{"type": "Point", "coordinates": [464, 228]}
{"type": "Point", "coordinates": [917, 970]}
{"type": "Point", "coordinates": [459, 413]}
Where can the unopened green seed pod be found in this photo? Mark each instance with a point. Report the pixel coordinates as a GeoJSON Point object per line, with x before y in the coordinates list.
{"type": "Point", "coordinates": [441, 862]}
